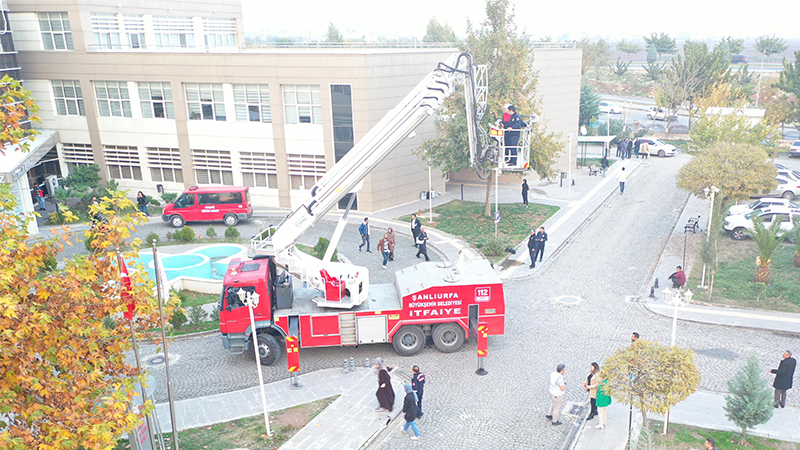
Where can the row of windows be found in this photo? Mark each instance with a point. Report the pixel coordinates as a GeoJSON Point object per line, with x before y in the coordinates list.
{"type": "Point", "coordinates": [204, 101]}
{"type": "Point", "coordinates": [124, 31]}
{"type": "Point", "coordinates": [258, 169]}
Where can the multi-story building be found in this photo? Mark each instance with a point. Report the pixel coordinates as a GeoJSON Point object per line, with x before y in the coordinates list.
{"type": "Point", "coordinates": [164, 96]}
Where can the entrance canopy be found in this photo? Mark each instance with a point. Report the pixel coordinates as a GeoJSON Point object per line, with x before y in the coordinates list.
{"type": "Point", "coordinates": [585, 141]}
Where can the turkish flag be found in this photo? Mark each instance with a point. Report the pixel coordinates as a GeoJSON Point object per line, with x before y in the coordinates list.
{"type": "Point", "coordinates": [125, 290]}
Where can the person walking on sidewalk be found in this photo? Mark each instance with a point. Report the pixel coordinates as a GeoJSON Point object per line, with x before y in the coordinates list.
{"type": "Point", "coordinates": [410, 411]}
{"type": "Point", "coordinates": [532, 248]}
{"type": "Point", "coordinates": [604, 164]}
{"type": "Point", "coordinates": [385, 247]}
{"type": "Point", "coordinates": [418, 384]}
{"type": "Point", "coordinates": [422, 240]}
{"type": "Point", "coordinates": [603, 401]}
{"type": "Point", "coordinates": [385, 391]}
{"type": "Point", "coordinates": [525, 192]}
{"type": "Point", "coordinates": [591, 384]}
{"type": "Point", "coordinates": [558, 384]}
{"type": "Point", "coordinates": [628, 148]}
{"type": "Point", "coordinates": [783, 378]}
{"type": "Point", "coordinates": [541, 238]}
{"type": "Point", "coordinates": [392, 243]}
{"type": "Point", "coordinates": [623, 177]}
{"type": "Point", "coordinates": [678, 278]}
{"type": "Point", "coordinates": [364, 231]}
{"type": "Point", "coordinates": [415, 226]}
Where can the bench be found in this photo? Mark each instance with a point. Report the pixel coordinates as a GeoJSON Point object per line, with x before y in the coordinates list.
{"type": "Point", "coordinates": [594, 170]}
{"type": "Point", "coordinates": [692, 225]}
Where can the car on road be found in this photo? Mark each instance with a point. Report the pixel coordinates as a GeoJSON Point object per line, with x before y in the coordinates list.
{"type": "Point", "coordinates": [762, 203]}
{"type": "Point", "coordinates": [658, 147]}
{"type": "Point", "coordinates": [738, 59]}
{"type": "Point", "coordinates": [740, 225]}
{"type": "Point", "coordinates": [794, 150]}
{"type": "Point", "coordinates": [608, 107]}
{"type": "Point", "coordinates": [656, 113]}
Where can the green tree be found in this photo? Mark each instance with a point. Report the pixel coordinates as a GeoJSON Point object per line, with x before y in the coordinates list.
{"type": "Point", "coordinates": [590, 105]}
{"type": "Point", "coordinates": [437, 32]}
{"type": "Point", "coordinates": [670, 94]}
{"type": "Point", "coordinates": [767, 239]}
{"type": "Point", "coordinates": [738, 170]}
{"type": "Point", "coordinates": [697, 71]}
{"type": "Point", "coordinates": [333, 34]}
{"type": "Point", "coordinates": [83, 178]}
{"type": "Point", "coordinates": [662, 43]}
{"type": "Point", "coordinates": [17, 105]}
{"type": "Point", "coordinates": [655, 70]}
{"type": "Point", "coordinates": [652, 54]}
{"type": "Point", "coordinates": [789, 77]}
{"type": "Point", "coordinates": [782, 108]}
{"type": "Point", "coordinates": [595, 55]}
{"type": "Point", "coordinates": [506, 52]}
{"type": "Point", "coordinates": [750, 402]}
{"type": "Point", "coordinates": [620, 68]}
{"type": "Point", "coordinates": [710, 129]}
{"type": "Point", "coordinates": [628, 47]}
{"type": "Point", "coordinates": [735, 46]}
{"type": "Point", "coordinates": [794, 236]}
{"type": "Point", "coordinates": [650, 376]}
{"type": "Point", "coordinates": [770, 45]}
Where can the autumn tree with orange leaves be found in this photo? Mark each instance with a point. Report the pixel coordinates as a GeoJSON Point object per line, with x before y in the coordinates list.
{"type": "Point", "coordinates": [16, 106]}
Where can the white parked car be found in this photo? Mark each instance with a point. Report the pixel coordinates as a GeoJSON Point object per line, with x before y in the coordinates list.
{"type": "Point", "coordinates": [656, 113]}
{"type": "Point", "coordinates": [739, 226]}
{"type": "Point", "coordinates": [658, 147]}
{"type": "Point", "coordinates": [763, 203]}
{"type": "Point", "coordinates": [787, 188]}
{"type": "Point", "coordinates": [794, 150]}
{"type": "Point", "coordinates": [608, 107]}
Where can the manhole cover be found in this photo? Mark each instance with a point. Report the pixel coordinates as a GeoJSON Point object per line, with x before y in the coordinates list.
{"type": "Point", "coordinates": [156, 360]}
{"type": "Point", "coordinates": [574, 409]}
{"type": "Point", "coordinates": [568, 299]}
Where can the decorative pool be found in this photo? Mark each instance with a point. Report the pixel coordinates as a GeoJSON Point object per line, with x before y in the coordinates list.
{"type": "Point", "coordinates": [209, 261]}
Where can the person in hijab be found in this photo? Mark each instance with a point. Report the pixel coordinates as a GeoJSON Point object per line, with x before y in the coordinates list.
{"type": "Point", "coordinates": [410, 411]}
{"type": "Point", "coordinates": [385, 392]}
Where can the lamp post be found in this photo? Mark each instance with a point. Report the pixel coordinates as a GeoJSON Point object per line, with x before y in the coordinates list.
{"type": "Point", "coordinates": [251, 299]}
{"type": "Point", "coordinates": [675, 299]}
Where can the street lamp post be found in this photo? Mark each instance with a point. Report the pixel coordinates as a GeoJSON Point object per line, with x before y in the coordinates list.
{"type": "Point", "coordinates": [251, 299]}
{"type": "Point", "coordinates": [675, 299]}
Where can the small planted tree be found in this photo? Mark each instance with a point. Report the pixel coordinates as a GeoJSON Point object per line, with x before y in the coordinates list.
{"type": "Point", "coordinates": [794, 235]}
{"type": "Point", "coordinates": [750, 402]}
{"type": "Point", "coordinates": [767, 239]}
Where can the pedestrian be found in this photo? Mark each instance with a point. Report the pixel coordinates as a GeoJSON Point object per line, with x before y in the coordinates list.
{"type": "Point", "coordinates": [604, 164]}
{"type": "Point", "coordinates": [783, 378]}
{"type": "Point", "coordinates": [363, 229]}
{"type": "Point", "coordinates": [621, 148]}
{"type": "Point", "coordinates": [591, 384]}
{"type": "Point", "coordinates": [525, 192]}
{"type": "Point", "coordinates": [678, 278]}
{"type": "Point", "coordinates": [644, 150]}
{"type": "Point", "coordinates": [418, 384]}
{"type": "Point", "coordinates": [558, 384]}
{"type": "Point", "coordinates": [422, 240]}
{"type": "Point", "coordinates": [385, 392]}
{"type": "Point", "coordinates": [603, 401]}
{"type": "Point", "coordinates": [711, 444]}
{"type": "Point", "coordinates": [415, 226]}
{"type": "Point", "coordinates": [628, 148]}
{"type": "Point", "coordinates": [541, 238]}
{"type": "Point", "coordinates": [410, 411]}
{"type": "Point", "coordinates": [385, 247]}
{"type": "Point", "coordinates": [636, 145]}
{"type": "Point", "coordinates": [634, 337]}
{"type": "Point", "coordinates": [40, 198]}
{"type": "Point", "coordinates": [532, 248]}
{"type": "Point", "coordinates": [141, 200]}
{"type": "Point", "coordinates": [511, 129]}
{"type": "Point", "coordinates": [623, 177]}
{"type": "Point", "coordinates": [392, 243]}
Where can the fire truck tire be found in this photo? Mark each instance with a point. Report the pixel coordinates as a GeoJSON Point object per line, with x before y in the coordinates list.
{"type": "Point", "coordinates": [268, 348]}
{"type": "Point", "coordinates": [409, 340]}
{"type": "Point", "coordinates": [448, 337]}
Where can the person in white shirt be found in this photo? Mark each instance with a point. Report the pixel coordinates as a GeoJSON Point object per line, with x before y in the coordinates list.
{"type": "Point", "coordinates": [623, 177]}
{"type": "Point", "coordinates": [558, 384]}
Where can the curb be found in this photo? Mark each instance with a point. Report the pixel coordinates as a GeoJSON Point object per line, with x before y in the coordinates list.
{"type": "Point", "coordinates": [182, 337]}
{"type": "Point", "coordinates": [380, 436]}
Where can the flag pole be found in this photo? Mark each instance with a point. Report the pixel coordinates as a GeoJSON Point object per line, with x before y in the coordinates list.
{"type": "Point", "coordinates": [159, 283]}
{"type": "Point", "coordinates": [136, 354]}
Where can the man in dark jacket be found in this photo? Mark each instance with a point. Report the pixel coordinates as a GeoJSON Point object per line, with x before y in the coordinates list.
{"type": "Point", "coordinates": [541, 238]}
{"type": "Point", "coordinates": [422, 240]}
{"type": "Point", "coordinates": [415, 226]}
{"type": "Point", "coordinates": [363, 230]}
{"type": "Point", "coordinates": [418, 385]}
{"type": "Point", "coordinates": [525, 192]}
{"type": "Point", "coordinates": [532, 248]}
{"type": "Point", "coordinates": [783, 378]}
{"type": "Point", "coordinates": [511, 134]}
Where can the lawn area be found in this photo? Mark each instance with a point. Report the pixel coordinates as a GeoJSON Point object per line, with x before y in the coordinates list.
{"type": "Point", "coordinates": [192, 298]}
{"type": "Point", "coordinates": [248, 432]}
{"type": "Point", "coordinates": [466, 220]}
{"type": "Point", "coordinates": [684, 437]}
{"type": "Point", "coordinates": [733, 282]}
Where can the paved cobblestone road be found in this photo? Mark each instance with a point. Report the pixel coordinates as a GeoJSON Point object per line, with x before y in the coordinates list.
{"type": "Point", "coordinates": [607, 260]}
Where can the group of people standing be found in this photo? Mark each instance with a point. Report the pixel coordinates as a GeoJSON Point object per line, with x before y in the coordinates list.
{"type": "Point", "coordinates": [628, 147]}
{"type": "Point", "coordinates": [412, 403]}
{"type": "Point", "coordinates": [387, 243]}
{"type": "Point", "coordinates": [536, 243]}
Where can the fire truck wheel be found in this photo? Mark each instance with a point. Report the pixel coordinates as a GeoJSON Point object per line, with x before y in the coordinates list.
{"type": "Point", "coordinates": [448, 337]}
{"type": "Point", "coordinates": [268, 349]}
{"type": "Point", "coordinates": [409, 340]}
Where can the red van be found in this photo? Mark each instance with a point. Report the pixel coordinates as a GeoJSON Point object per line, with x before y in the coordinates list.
{"type": "Point", "coordinates": [226, 203]}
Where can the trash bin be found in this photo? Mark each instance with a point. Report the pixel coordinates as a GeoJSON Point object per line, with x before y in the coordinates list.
{"type": "Point", "coordinates": [423, 195]}
{"type": "Point", "coordinates": [433, 193]}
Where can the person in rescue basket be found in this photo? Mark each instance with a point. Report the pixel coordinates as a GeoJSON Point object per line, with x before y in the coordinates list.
{"type": "Point", "coordinates": [511, 134]}
{"type": "Point", "coordinates": [410, 411]}
{"type": "Point", "coordinates": [418, 384]}
{"type": "Point", "coordinates": [415, 226]}
{"type": "Point", "coordinates": [422, 240]}
{"type": "Point", "coordinates": [364, 231]}
{"type": "Point", "coordinates": [385, 392]}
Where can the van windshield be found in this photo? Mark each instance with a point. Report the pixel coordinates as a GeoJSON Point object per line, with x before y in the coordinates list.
{"type": "Point", "coordinates": [184, 201]}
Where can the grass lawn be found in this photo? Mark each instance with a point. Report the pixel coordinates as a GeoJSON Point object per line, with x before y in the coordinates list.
{"type": "Point", "coordinates": [733, 282]}
{"type": "Point", "coordinates": [248, 432]}
{"type": "Point", "coordinates": [466, 220]}
{"type": "Point", "coordinates": [192, 298]}
{"type": "Point", "coordinates": [684, 437]}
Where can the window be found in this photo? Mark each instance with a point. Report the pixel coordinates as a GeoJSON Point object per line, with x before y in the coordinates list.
{"type": "Point", "coordinates": [213, 166]}
{"type": "Point", "coordinates": [77, 155]}
{"type": "Point", "coordinates": [69, 98]}
{"type": "Point", "coordinates": [112, 98]}
{"type": "Point", "coordinates": [165, 164]}
{"type": "Point", "coordinates": [302, 104]}
{"type": "Point", "coordinates": [252, 103]}
{"type": "Point", "coordinates": [219, 32]}
{"type": "Point", "coordinates": [56, 33]}
{"type": "Point", "coordinates": [134, 31]}
{"type": "Point", "coordinates": [205, 101]}
{"type": "Point", "coordinates": [305, 170]}
{"type": "Point", "coordinates": [184, 201]}
{"type": "Point", "coordinates": [156, 100]}
{"type": "Point", "coordinates": [106, 31]}
{"type": "Point", "coordinates": [123, 162]}
{"type": "Point", "coordinates": [173, 32]}
{"type": "Point", "coordinates": [342, 115]}
{"type": "Point", "coordinates": [259, 169]}
{"type": "Point", "coordinates": [221, 198]}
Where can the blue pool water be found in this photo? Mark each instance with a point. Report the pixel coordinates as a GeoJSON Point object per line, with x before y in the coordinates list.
{"type": "Point", "coordinates": [209, 261]}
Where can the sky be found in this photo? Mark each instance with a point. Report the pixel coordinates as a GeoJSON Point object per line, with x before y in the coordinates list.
{"type": "Point", "coordinates": [696, 19]}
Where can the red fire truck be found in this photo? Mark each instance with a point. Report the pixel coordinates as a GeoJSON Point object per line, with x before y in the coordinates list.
{"type": "Point", "coordinates": [336, 305]}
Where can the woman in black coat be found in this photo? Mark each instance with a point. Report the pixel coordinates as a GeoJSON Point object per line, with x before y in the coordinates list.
{"type": "Point", "coordinates": [385, 392]}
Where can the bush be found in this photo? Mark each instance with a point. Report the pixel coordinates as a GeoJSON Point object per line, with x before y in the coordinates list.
{"type": "Point", "coordinates": [150, 238]}
{"type": "Point", "coordinates": [197, 315]}
{"type": "Point", "coordinates": [88, 242]}
{"type": "Point", "coordinates": [178, 318]}
{"type": "Point", "coordinates": [231, 233]}
{"type": "Point", "coordinates": [49, 263]}
{"type": "Point", "coordinates": [169, 197]}
{"type": "Point", "coordinates": [211, 232]}
{"type": "Point", "coordinates": [169, 236]}
{"type": "Point", "coordinates": [182, 295]}
{"type": "Point", "coordinates": [185, 234]}
{"type": "Point", "coordinates": [56, 218]}
{"type": "Point", "coordinates": [494, 247]}
{"type": "Point", "coordinates": [109, 322]}
{"type": "Point", "coordinates": [152, 200]}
